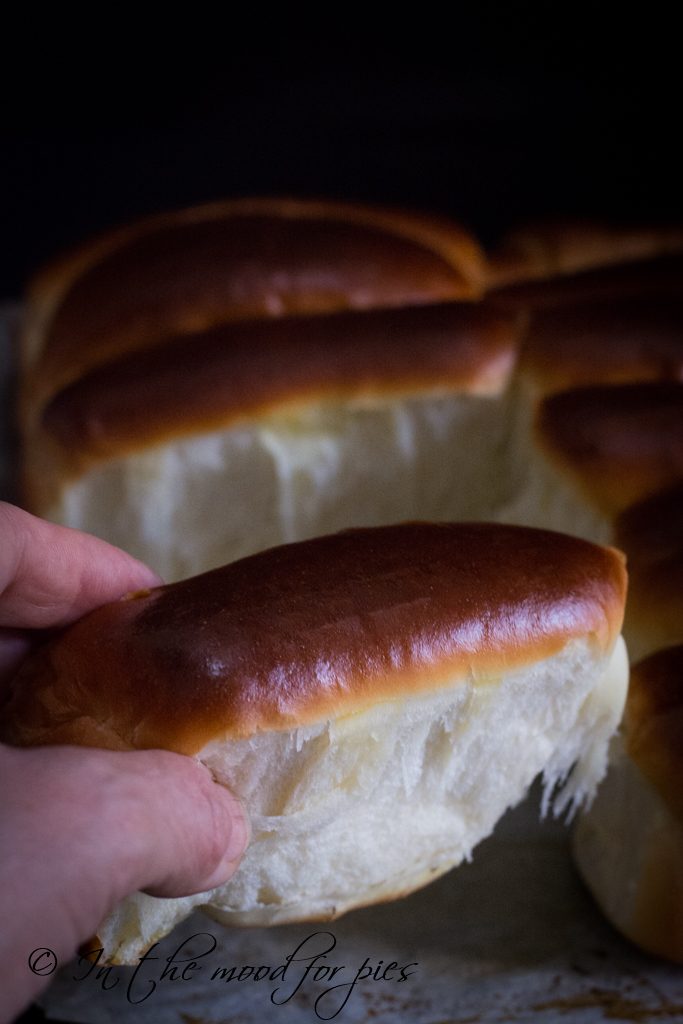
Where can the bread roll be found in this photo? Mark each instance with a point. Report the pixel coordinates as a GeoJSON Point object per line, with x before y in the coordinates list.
{"type": "Point", "coordinates": [224, 262]}
{"type": "Point", "coordinates": [292, 363]}
{"type": "Point", "coordinates": [563, 248]}
{"type": "Point", "coordinates": [378, 698]}
{"type": "Point", "coordinates": [651, 533]}
{"type": "Point", "coordinates": [638, 338]}
{"type": "Point", "coordinates": [293, 426]}
{"type": "Point", "coordinates": [652, 529]}
{"type": "Point", "coordinates": [621, 444]}
{"type": "Point", "coordinates": [606, 307]}
{"type": "Point", "coordinates": [629, 846]}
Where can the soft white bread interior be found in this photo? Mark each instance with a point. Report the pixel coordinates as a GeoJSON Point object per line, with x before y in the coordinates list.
{"type": "Point", "coordinates": [291, 429]}
{"type": "Point", "coordinates": [629, 846]}
{"type": "Point", "coordinates": [331, 439]}
{"type": "Point", "coordinates": [324, 467]}
{"type": "Point", "coordinates": [377, 698]}
{"type": "Point", "coordinates": [393, 797]}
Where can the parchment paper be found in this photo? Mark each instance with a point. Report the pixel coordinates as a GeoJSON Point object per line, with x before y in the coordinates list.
{"type": "Point", "coordinates": [512, 936]}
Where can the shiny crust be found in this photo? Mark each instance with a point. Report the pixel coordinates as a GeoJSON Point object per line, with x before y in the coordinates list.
{"type": "Point", "coordinates": [652, 529]}
{"type": "Point", "coordinates": [316, 630]}
{"type": "Point", "coordinates": [660, 278]}
{"type": "Point", "coordinates": [557, 248]}
{"type": "Point", "coordinates": [239, 260]}
{"type": "Point", "coordinates": [621, 443]}
{"type": "Point", "coordinates": [218, 377]}
{"type": "Point", "coordinates": [653, 723]}
{"type": "Point", "coordinates": [651, 534]}
{"type": "Point", "coordinates": [636, 339]}
{"type": "Point", "coordinates": [655, 608]}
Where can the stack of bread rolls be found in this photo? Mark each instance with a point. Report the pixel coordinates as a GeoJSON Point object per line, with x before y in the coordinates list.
{"type": "Point", "coordinates": [208, 384]}
{"type": "Point", "coordinates": [605, 352]}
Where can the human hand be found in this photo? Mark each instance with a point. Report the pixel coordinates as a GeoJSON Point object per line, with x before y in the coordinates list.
{"type": "Point", "coordinates": [82, 828]}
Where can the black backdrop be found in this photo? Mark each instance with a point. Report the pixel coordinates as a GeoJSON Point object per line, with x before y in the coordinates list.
{"type": "Point", "coordinates": [497, 117]}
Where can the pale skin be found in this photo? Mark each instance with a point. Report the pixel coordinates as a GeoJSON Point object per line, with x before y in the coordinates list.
{"type": "Point", "coordinates": [81, 828]}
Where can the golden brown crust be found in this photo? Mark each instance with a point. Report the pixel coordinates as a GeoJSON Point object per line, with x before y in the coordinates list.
{"type": "Point", "coordinates": [657, 920]}
{"type": "Point", "coordinates": [653, 723]}
{"type": "Point", "coordinates": [244, 259]}
{"type": "Point", "coordinates": [215, 378]}
{"type": "Point", "coordinates": [636, 339]}
{"type": "Point", "coordinates": [652, 529]}
{"type": "Point", "coordinates": [316, 630]}
{"type": "Point", "coordinates": [654, 616]}
{"type": "Point", "coordinates": [556, 248]}
{"type": "Point", "coordinates": [621, 443]}
{"type": "Point", "coordinates": [651, 534]}
{"type": "Point", "coordinates": [659, 278]}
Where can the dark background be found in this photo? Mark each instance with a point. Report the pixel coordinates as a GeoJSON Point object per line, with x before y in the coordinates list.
{"type": "Point", "coordinates": [503, 115]}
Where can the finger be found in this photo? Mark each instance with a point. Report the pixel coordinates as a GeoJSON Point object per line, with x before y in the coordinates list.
{"type": "Point", "coordinates": [193, 831]}
{"type": "Point", "coordinates": [91, 826]}
{"type": "Point", "coordinates": [51, 575]}
{"type": "Point", "coordinates": [115, 822]}
{"type": "Point", "coordinates": [82, 828]}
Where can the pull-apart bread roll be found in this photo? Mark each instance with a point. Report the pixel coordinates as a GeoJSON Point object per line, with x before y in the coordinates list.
{"type": "Point", "coordinates": [620, 444]}
{"type": "Point", "coordinates": [626, 339]}
{"type": "Point", "coordinates": [600, 374]}
{"type": "Point", "coordinates": [210, 383]}
{"type": "Point", "coordinates": [651, 534]}
{"type": "Point", "coordinates": [248, 259]}
{"type": "Point", "coordinates": [377, 698]}
{"type": "Point", "coordinates": [606, 303]}
{"type": "Point", "coordinates": [268, 432]}
{"type": "Point", "coordinates": [303, 367]}
{"type": "Point", "coordinates": [629, 847]}
{"type": "Point", "coordinates": [557, 249]}
{"type": "Point", "coordinates": [602, 366]}
{"type": "Point", "coordinates": [585, 454]}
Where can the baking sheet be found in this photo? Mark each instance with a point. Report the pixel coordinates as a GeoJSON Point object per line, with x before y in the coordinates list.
{"type": "Point", "coordinates": [512, 936]}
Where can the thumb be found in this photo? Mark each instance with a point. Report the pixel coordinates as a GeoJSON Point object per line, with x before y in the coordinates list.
{"type": "Point", "coordinates": [194, 831]}
{"type": "Point", "coordinates": [82, 828]}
